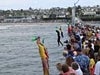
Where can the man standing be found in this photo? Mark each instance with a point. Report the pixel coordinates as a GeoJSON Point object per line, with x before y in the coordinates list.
{"type": "Point", "coordinates": [82, 60]}
{"type": "Point", "coordinates": [44, 56]}
{"type": "Point", "coordinates": [58, 40]}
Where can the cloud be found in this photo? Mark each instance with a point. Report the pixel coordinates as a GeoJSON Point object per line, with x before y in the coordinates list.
{"type": "Point", "coordinates": [25, 4]}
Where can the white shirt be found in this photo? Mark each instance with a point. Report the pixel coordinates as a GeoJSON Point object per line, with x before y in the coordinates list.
{"type": "Point", "coordinates": [92, 46]}
{"type": "Point", "coordinates": [97, 68]}
{"type": "Point", "coordinates": [79, 72]}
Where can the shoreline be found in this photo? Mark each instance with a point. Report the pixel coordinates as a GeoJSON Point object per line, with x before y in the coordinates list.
{"type": "Point", "coordinates": [93, 23]}
{"type": "Point", "coordinates": [39, 23]}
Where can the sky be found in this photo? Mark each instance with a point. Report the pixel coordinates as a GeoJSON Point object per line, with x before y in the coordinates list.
{"type": "Point", "coordinates": [36, 4]}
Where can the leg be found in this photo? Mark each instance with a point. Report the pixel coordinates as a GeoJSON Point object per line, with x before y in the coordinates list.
{"type": "Point", "coordinates": [45, 66]}
{"type": "Point", "coordinates": [58, 40]}
{"type": "Point", "coordinates": [61, 43]}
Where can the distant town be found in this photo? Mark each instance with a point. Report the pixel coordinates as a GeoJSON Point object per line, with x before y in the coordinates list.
{"type": "Point", "coordinates": [55, 14]}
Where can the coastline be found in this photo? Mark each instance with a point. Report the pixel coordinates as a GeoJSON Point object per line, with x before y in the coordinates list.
{"type": "Point", "coordinates": [92, 23]}
{"type": "Point", "coordinates": [39, 23]}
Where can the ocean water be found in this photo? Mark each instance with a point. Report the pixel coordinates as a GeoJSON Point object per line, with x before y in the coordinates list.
{"type": "Point", "coordinates": [19, 54]}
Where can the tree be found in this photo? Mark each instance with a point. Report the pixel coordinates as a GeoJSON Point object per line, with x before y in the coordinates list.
{"type": "Point", "coordinates": [53, 16]}
{"type": "Point", "coordinates": [69, 9]}
{"type": "Point", "coordinates": [30, 9]}
{"type": "Point", "coordinates": [78, 10]}
{"type": "Point", "coordinates": [97, 5]}
{"type": "Point", "coordinates": [21, 10]}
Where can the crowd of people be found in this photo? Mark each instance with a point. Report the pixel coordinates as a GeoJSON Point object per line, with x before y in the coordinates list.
{"type": "Point", "coordinates": [82, 51]}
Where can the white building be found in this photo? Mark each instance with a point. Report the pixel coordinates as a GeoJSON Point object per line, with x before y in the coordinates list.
{"type": "Point", "coordinates": [89, 13]}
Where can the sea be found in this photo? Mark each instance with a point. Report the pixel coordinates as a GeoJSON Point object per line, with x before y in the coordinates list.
{"type": "Point", "coordinates": [19, 55]}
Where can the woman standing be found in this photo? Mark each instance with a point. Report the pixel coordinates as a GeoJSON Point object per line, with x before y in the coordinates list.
{"type": "Point", "coordinates": [44, 56]}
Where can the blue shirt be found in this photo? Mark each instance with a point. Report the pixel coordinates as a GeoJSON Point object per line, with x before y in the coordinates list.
{"type": "Point", "coordinates": [70, 53]}
{"type": "Point", "coordinates": [83, 61]}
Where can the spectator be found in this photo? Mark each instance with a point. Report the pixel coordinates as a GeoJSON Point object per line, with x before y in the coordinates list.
{"type": "Point", "coordinates": [69, 50]}
{"type": "Point", "coordinates": [59, 68]}
{"type": "Point", "coordinates": [67, 70]}
{"type": "Point", "coordinates": [97, 67]}
{"type": "Point", "coordinates": [91, 65]}
{"type": "Point", "coordinates": [77, 69]}
{"type": "Point", "coordinates": [91, 51]}
{"type": "Point", "coordinates": [82, 60]}
{"type": "Point", "coordinates": [69, 61]}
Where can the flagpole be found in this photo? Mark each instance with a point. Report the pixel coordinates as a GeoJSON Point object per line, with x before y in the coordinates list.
{"type": "Point", "coordinates": [73, 13]}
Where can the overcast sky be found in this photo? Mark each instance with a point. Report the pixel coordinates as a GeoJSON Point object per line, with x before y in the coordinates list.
{"type": "Point", "coordinates": [25, 4]}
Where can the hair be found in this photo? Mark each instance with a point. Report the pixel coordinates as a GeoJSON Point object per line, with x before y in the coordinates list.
{"type": "Point", "coordinates": [74, 65]}
{"type": "Point", "coordinates": [59, 66]}
{"type": "Point", "coordinates": [99, 52]}
{"type": "Point", "coordinates": [85, 51]}
{"type": "Point", "coordinates": [65, 68]}
{"type": "Point", "coordinates": [98, 57]}
{"type": "Point", "coordinates": [69, 60]}
{"type": "Point", "coordinates": [72, 40]}
{"type": "Point", "coordinates": [89, 45]}
{"type": "Point", "coordinates": [72, 74]}
{"type": "Point", "coordinates": [38, 38]}
{"type": "Point", "coordinates": [57, 31]}
{"type": "Point", "coordinates": [77, 37]}
{"type": "Point", "coordinates": [68, 46]}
